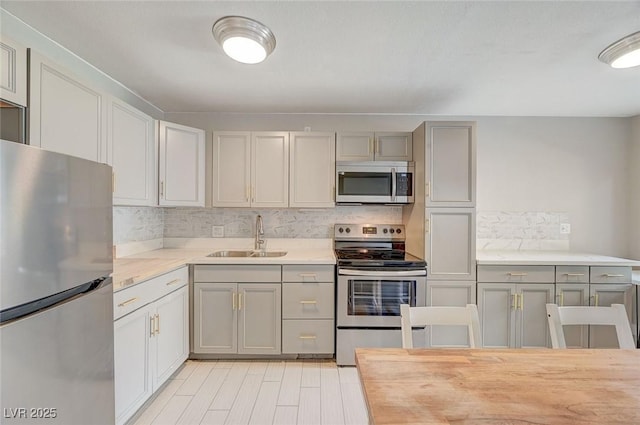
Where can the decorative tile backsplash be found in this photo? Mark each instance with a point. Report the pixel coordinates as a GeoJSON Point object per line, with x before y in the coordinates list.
{"type": "Point", "coordinates": [511, 230]}
{"type": "Point", "coordinates": [278, 223]}
{"type": "Point", "coordinates": [135, 224]}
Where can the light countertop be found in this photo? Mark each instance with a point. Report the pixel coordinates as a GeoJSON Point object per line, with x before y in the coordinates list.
{"type": "Point", "coordinates": [557, 258]}
{"type": "Point", "coordinates": [145, 265]}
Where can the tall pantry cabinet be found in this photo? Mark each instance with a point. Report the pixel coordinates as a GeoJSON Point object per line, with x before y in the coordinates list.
{"type": "Point", "coordinates": [441, 224]}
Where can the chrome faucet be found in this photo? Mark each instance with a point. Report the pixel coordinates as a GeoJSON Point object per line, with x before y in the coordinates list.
{"type": "Point", "coordinates": [259, 232]}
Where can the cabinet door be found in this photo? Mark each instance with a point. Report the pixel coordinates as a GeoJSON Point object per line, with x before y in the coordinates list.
{"type": "Point", "coordinates": [171, 335]}
{"type": "Point", "coordinates": [182, 162]}
{"type": "Point", "coordinates": [497, 308]}
{"type": "Point", "coordinates": [270, 169]}
{"type": "Point", "coordinates": [454, 294]}
{"type": "Point", "coordinates": [450, 164]}
{"type": "Point", "coordinates": [354, 146]}
{"type": "Point", "coordinates": [604, 295]}
{"type": "Point", "coordinates": [132, 154]}
{"type": "Point", "coordinates": [215, 322]}
{"type": "Point", "coordinates": [65, 115]}
{"type": "Point", "coordinates": [450, 243]}
{"type": "Point", "coordinates": [231, 169]}
{"type": "Point", "coordinates": [574, 294]}
{"type": "Point", "coordinates": [532, 323]}
{"type": "Point", "coordinates": [393, 147]}
{"type": "Point", "coordinates": [133, 384]}
{"type": "Point", "coordinates": [312, 169]}
{"type": "Point", "coordinates": [13, 71]}
{"type": "Point", "coordinates": [259, 318]}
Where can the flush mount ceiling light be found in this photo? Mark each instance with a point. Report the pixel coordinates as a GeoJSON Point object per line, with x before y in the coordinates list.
{"type": "Point", "coordinates": [624, 53]}
{"type": "Point", "coordinates": [244, 39]}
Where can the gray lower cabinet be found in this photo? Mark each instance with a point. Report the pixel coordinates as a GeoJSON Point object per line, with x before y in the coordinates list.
{"type": "Point", "coordinates": [596, 286]}
{"type": "Point", "coordinates": [512, 305]}
{"type": "Point", "coordinates": [237, 310]}
{"type": "Point", "coordinates": [308, 302]}
{"type": "Point", "coordinates": [449, 293]}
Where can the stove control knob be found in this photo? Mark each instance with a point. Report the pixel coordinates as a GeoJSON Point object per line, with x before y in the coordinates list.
{"type": "Point", "coordinates": [385, 231]}
{"type": "Point", "coordinates": [398, 231]}
{"type": "Point", "coordinates": [340, 229]}
{"type": "Point", "coordinates": [348, 230]}
{"type": "Point", "coordinates": [392, 231]}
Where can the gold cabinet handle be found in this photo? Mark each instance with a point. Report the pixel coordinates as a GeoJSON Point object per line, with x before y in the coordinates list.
{"type": "Point", "coordinates": [521, 301]}
{"type": "Point", "coordinates": [377, 145]}
{"type": "Point", "coordinates": [233, 300]}
{"type": "Point", "coordinates": [173, 282]}
{"type": "Point", "coordinates": [127, 302]}
{"type": "Point", "coordinates": [560, 297]}
{"type": "Point", "coordinates": [308, 277]}
{"type": "Point", "coordinates": [370, 146]}
{"type": "Point", "coordinates": [512, 274]}
{"type": "Point", "coordinates": [427, 189]}
{"type": "Point", "coordinates": [596, 297]}
{"type": "Point", "coordinates": [308, 337]}
{"type": "Point", "coordinates": [240, 301]}
{"type": "Point", "coordinates": [304, 302]}
{"type": "Point", "coordinates": [157, 324]}
{"type": "Point", "coordinates": [574, 274]}
{"type": "Point", "coordinates": [152, 325]}
{"type": "Point", "coordinates": [514, 301]}
{"type": "Point", "coordinates": [612, 275]}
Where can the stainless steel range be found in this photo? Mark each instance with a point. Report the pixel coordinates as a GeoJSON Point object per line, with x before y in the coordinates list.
{"type": "Point", "coordinates": [375, 276]}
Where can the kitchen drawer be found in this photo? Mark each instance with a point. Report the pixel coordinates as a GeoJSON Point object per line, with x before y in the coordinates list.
{"type": "Point", "coordinates": [308, 273]}
{"type": "Point", "coordinates": [237, 273]}
{"type": "Point", "coordinates": [130, 299]}
{"type": "Point", "coordinates": [610, 274]}
{"type": "Point", "coordinates": [572, 274]}
{"type": "Point", "coordinates": [517, 274]}
{"type": "Point", "coordinates": [308, 300]}
{"type": "Point", "coordinates": [308, 336]}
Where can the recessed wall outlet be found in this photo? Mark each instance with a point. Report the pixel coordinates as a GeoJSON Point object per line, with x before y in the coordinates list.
{"type": "Point", "coordinates": [217, 231]}
{"type": "Point", "coordinates": [565, 228]}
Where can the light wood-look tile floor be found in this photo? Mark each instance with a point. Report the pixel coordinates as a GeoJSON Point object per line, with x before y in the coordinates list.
{"type": "Point", "coordinates": [259, 392]}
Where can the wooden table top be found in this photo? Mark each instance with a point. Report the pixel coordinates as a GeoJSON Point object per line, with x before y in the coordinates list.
{"type": "Point", "coordinates": [500, 386]}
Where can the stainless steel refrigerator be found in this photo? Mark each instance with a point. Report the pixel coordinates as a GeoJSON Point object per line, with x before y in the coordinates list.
{"type": "Point", "coordinates": [56, 295]}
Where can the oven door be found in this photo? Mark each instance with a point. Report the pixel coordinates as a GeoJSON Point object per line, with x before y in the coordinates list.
{"type": "Point", "coordinates": [372, 298]}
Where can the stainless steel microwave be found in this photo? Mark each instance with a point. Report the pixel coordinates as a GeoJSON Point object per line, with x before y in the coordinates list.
{"type": "Point", "coordinates": [374, 182]}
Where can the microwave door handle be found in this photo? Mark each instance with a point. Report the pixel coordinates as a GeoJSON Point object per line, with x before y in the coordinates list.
{"type": "Point", "coordinates": [393, 184]}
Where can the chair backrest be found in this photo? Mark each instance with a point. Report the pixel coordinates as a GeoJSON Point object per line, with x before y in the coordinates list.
{"type": "Point", "coordinates": [423, 316]}
{"type": "Point", "coordinates": [616, 315]}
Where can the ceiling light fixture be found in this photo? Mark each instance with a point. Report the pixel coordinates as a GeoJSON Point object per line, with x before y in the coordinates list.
{"type": "Point", "coordinates": [244, 39]}
{"type": "Point", "coordinates": [624, 53]}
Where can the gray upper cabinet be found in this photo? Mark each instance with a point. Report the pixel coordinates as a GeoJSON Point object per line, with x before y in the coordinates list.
{"type": "Point", "coordinates": [131, 151]}
{"type": "Point", "coordinates": [13, 71]}
{"type": "Point", "coordinates": [450, 243]}
{"type": "Point", "coordinates": [312, 169]}
{"type": "Point", "coordinates": [181, 166]}
{"type": "Point", "coordinates": [66, 115]}
{"type": "Point", "coordinates": [378, 146]}
{"type": "Point", "coordinates": [450, 164]}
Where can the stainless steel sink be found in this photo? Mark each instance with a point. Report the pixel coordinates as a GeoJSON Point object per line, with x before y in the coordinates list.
{"type": "Point", "coordinates": [241, 253]}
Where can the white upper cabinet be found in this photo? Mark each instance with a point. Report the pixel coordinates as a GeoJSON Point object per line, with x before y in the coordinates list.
{"type": "Point", "coordinates": [368, 146]}
{"type": "Point", "coordinates": [312, 161]}
{"type": "Point", "coordinates": [450, 164]}
{"type": "Point", "coordinates": [66, 115]}
{"type": "Point", "coordinates": [13, 71]}
{"type": "Point", "coordinates": [250, 169]}
{"type": "Point", "coordinates": [182, 165]}
{"type": "Point", "coordinates": [132, 154]}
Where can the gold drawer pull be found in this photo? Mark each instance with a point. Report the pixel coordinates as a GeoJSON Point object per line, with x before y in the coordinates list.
{"type": "Point", "coordinates": [516, 274]}
{"type": "Point", "coordinates": [309, 302]}
{"type": "Point", "coordinates": [307, 337]}
{"type": "Point", "coordinates": [313, 276]}
{"type": "Point", "coordinates": [173, 282]}
{"type": "Point", "coordinates": [612, 275]}
{"type": "Point", "coordinates": [574, 274]}
{"type": "Point", "coordinates": [127, 302]}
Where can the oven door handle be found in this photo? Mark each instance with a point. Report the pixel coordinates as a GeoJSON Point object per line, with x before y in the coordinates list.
{"type": "Point", "coordinates": [400, 273]}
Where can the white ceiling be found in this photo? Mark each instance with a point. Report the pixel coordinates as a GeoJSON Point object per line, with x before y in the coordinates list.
{"type": "Point", "coordinates": [435, 58]}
